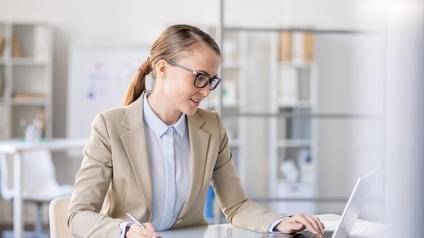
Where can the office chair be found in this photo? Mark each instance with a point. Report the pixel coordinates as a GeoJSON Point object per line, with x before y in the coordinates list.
{"type": "Point", "coordinates": [58, 217]}
{"type": "Point", "coordinates": [39, 184]}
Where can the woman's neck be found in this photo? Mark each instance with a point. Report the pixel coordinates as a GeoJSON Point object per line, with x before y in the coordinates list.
{"type": "Point", "coordinates": [160, 108]}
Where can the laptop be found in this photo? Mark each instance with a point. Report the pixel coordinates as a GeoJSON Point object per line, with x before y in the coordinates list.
{"type": "Point", "coordinates": [351, 212]}
{"type": "Point", "coordinates": [346, 227]}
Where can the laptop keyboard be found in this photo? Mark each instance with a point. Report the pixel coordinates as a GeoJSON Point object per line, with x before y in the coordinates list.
{"type": "Point", "coordinates": [308, 234]}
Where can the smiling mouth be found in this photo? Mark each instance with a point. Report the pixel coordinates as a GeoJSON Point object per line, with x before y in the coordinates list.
{"type": "Point", "coordinates": [195, 100]}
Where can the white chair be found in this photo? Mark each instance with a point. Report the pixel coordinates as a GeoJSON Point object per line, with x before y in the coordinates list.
{"type": "Point", "coordinates": [58, 217]}
{"type": "Point", "coordinates": [39, 184]}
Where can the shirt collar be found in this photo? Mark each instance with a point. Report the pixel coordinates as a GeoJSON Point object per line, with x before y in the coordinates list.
{"type": "Point", "coordinates": [157, 125]}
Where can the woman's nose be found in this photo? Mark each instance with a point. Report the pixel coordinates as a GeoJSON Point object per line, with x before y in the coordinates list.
{"type": "Point", "coordinates": [204, 91]}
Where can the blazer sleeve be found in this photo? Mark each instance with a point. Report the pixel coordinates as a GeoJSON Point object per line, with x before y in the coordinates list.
{"type": "Point", "coordinates": [235, 204]}
{"type": "Point", "coordinates": [91, 186]}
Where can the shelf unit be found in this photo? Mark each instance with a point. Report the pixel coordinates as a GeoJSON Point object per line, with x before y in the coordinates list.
{"type": "Point", "coordinates": [291, 158]}
{"type": "Point", "coordinates": [287, 91]}
{"type": "Point", "coordinates": [25, 77]}
{"type": "Point", "coordinates": [293, 133]}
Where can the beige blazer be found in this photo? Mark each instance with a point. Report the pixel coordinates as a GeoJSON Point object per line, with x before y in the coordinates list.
{"type": "Point", "coordinates": [115, 179]}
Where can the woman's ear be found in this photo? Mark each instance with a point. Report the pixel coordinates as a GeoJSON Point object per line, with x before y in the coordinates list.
{"type": "Point", "coordinates": [161, 68]}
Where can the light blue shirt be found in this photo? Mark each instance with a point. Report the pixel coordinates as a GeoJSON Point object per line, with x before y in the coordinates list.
{"type": "Point", "coordinates": [169, 155]}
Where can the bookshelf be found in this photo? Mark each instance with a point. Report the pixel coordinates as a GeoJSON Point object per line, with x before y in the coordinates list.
{"type": "Point", "coordinates": [268, 95]}
{"type": "Point", "coordinates": [293, 133]}
{"type": "Point", "coordinates": [25, 78]}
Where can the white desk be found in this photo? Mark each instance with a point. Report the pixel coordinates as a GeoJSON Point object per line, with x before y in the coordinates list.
{"type": "Point", "coordinates": [16, 147]}
{"type": "Point", "coordinates": [230, 231]}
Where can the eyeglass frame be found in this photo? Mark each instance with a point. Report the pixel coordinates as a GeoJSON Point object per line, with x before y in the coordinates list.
{"type": "Point", "coordinates": [197, 74]}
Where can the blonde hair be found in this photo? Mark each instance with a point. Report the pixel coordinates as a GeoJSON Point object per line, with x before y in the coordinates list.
{"type": "Point", "coordinates": [170, 45]}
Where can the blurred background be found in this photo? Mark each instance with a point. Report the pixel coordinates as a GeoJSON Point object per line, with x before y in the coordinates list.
{"type": "Point", "coordinates": [314, 93]}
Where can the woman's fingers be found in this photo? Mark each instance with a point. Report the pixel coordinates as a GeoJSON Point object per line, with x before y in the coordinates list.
{"type": "Point", "coordinates": [138, 231]}
{"type": "Point", "coordinates": [313, 224]}
{"type": "Point", "coordinates": [301, 221]}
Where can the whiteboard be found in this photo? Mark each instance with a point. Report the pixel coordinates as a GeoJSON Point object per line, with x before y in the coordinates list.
{"type": "Point", "coordinates": [98, 78]}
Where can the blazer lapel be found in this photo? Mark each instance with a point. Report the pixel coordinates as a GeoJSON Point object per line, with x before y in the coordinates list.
{"type": "Point", "coordinates": [199, 141]}
{"type": "Point", "coordinates": [135, 145]}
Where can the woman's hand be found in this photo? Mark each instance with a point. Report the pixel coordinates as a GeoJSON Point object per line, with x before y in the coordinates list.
{"type": "Point", "coordinates": [137, 231]}
{"type": "Point", "coordinates": [300, 222]}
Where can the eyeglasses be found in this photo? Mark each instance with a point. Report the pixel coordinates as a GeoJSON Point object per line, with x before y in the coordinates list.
{"type": "Point", "coordinates": [201, 80]}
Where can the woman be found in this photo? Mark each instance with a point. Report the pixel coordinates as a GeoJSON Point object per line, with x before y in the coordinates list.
{"type": "Point", "coordinates": [156, 156]}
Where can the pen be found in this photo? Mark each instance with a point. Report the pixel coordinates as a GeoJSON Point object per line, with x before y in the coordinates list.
{"type": "Point", "coordinates": [135, 220]}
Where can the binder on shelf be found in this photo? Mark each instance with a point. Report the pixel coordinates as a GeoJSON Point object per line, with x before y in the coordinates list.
{"type": "Point", "coordinates": [40, 42]}
{"type": "Point", "coordinates": [304, 85]}
{"type": "Point", "coordinates": [285, 46]}
{"type": "Point", "coordinates": [299, 128]}
{"type": "Point", "coordinates": [2, 85]}
{"type": "Point", "coordinates": [16, 47]}
{"type": "Point", "coordinates": [308, 41]}
{"type": "Point", "coordinates": [28, 96]}
{"type": "Point", "coordinates": [296, 47]}
{"type": "Point", "coordinates": [2, 45]}
{"type": "Point", "coordinates": [288, 86]}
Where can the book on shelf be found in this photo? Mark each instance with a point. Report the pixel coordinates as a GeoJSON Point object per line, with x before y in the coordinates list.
{"type": "Point", "coordinates": [28, 96]}
{"type": "Point", "coordinates": [288, 86]}
{"type": "Point", "coordinates": [299, 128]}
{"type": "Point", "coordinates": [296, 47]}
{"type": "Point", "coordinates": [285, 46]}
{"type": "Point", "coordinates": [2, 45]}
{"type": "Point", "coordinates": [40, 42]}
{"type": "Point", "coordinates": [308, 45]}
{"type": "Point", "coordinates": [2, 85]}
{"type": "Point", "coordinates": [16, 47]}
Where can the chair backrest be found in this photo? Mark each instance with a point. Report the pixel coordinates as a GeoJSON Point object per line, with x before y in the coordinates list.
{"type": "Point", "coordinates": [58, 217]}
{"type": "Point", "coordinates": [38, 176]}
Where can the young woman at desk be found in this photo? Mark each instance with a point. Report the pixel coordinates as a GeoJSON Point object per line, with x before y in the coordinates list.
{"type": "Point", "coordinates": [156, 156]}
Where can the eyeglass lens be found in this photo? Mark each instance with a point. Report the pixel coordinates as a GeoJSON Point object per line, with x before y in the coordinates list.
{"type": "Point", "coordinates": [203, 80]}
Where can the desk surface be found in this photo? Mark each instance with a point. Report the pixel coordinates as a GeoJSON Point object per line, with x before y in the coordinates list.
{"type": "Point", "coordinates": [230, 231]}
{"type": "Point", "coordinates": [215, 231]}
{"type": "Point", "coordinates": [227, 231]}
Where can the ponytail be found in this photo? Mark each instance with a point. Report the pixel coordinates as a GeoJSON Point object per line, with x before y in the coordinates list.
{"type": "Point", "coordinates": [138, 83]}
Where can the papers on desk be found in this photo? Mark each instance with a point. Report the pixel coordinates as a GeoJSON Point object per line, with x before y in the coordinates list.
{"type": "Point", "coordinates": [363, 229]}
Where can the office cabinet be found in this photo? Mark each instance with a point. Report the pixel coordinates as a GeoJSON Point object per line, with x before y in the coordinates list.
{"type": "Point", "coordinates": [25, 78]}
{"type": "Point", "coordinates": [293, 133]}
